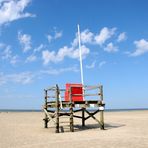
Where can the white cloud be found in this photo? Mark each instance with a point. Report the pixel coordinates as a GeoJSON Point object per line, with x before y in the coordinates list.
{"type": "Point", "coordinates": [64, 52]}
{"type": "Point", "coordinates": [58, 34]}
{"type": "Point", "coordinates": [111, 48]}
{"type": "Point", "coordinates": [21, 78]}
{"type": "Point", "coordinates": [92, 65]}
{"type": "Point", "coordinates": [122, 36]}
{"type": "Point", "coordinates": [75, 42]}
{"type": "Point", "coordinates": [14, 59]}
{"type": "Point", "coordinates": [28, 77]}
{"type": "Point", "coordinates": [31, 58]}
{"type": "Point", "coordinates": [11, 10]}
{"type": "Point", "coordinates": [7, 55]}
{"type": "Point", "coordinates": [52, 56]}
{"type": "Point", "coordinates": [102, 63]}
{"type": "Point", "coordinates": [141, 48]}
{"type": "Point", "coordinates": [75, 54]}
{"type": "Point", "coordinates": [48, 56]}
{"type": "Point", "coordinates": [87, 37]}
{"type": "Point", "coordinates": [70, 52]}
{"type": "Point", "coordinates": [25, 41]}
{"type": "Point", "coordinates": [49, 37]}
{"type": "Point", "coordinates": [58, 71]}
{"type": "Point", "coordinates": [39, 48]}
{"type": "Point", "coordinates": [104, 35]}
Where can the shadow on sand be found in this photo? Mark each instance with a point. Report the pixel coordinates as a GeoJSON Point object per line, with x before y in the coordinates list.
{"type": "Point", "coordinates": [92, 126]}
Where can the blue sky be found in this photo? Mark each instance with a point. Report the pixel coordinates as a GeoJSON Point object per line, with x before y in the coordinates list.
{"type": "Point", "coordinates": [39, 48]}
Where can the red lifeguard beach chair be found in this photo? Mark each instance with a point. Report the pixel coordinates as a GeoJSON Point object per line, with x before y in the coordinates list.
{"type": "Point", "coordinates": [74, 92]}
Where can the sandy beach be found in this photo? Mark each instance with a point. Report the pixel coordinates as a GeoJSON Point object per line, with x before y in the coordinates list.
{"type": "Point", "coordinates": [122, 130]}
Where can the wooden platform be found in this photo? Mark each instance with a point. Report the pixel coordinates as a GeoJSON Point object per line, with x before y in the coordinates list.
{"type": "Point", "coordinates": [54, 109]}
{"type": "Point", "coordinates": [84, 104]}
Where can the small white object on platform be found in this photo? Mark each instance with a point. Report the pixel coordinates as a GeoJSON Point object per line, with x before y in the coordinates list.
{"type": "Point", "coordinates": [101, 108]}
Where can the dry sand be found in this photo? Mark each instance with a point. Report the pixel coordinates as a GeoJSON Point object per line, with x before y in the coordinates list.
{"type": "Point", "coordinates": [123, 130]}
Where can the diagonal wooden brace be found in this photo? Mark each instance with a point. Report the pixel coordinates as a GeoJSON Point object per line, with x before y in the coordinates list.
{"type": "Point", "coordinates": [92, 115]}
{"type": "Point", "coordinates": [49, 116]}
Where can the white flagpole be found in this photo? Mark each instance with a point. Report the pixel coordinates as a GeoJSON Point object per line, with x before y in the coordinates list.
{"type": "Point", "coordinates": [80, 53]}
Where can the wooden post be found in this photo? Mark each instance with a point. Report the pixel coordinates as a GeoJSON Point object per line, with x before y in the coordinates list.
{"type": "Point", "coordinates": [102, 110]}
{"type": "Point", "coordinates": [57, 108]}
{"type": "Point", "coordinates": [71, 111]}
{"type": "Point", "coordinates": [83, 116]}
{"type": "Point", "coordinates": [46, 117]}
